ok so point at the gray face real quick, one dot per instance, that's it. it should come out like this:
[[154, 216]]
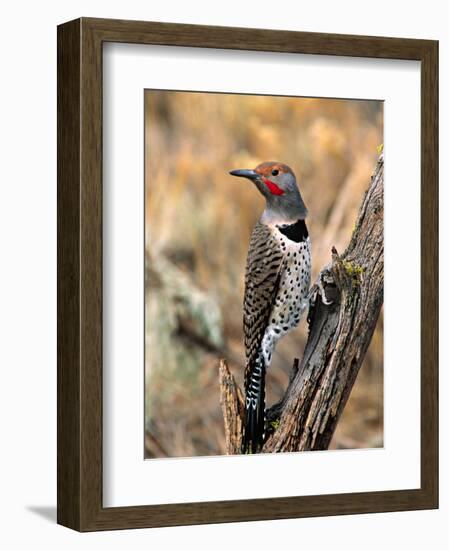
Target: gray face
[[277, 183], [284, 180]]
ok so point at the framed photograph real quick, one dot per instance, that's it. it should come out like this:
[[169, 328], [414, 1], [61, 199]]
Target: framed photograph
[[247, 274]]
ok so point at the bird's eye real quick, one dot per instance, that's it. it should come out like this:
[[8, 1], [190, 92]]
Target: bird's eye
[[274, 172]]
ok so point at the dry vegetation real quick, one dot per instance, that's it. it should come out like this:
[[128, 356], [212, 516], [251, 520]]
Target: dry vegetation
[[198, 223]]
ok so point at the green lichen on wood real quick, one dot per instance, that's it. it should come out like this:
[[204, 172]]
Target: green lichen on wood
[[354, 270], [274, 424]]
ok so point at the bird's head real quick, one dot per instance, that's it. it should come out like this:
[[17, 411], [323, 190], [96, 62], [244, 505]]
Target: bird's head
[[277, 183]]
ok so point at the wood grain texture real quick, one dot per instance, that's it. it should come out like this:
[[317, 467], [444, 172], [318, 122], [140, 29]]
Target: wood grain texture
[[339, 334], [429, 272], [80, 353], [240, 38], [91, 290], [233, 409], [68, 171]]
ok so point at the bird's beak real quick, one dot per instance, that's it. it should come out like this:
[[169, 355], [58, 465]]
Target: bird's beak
[[250, 174]]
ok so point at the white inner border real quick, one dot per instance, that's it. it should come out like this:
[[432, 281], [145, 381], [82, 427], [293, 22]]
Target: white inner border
[[128, 478]]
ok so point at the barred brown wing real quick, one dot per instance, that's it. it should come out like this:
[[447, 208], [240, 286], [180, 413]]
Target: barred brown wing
[[263, 273]]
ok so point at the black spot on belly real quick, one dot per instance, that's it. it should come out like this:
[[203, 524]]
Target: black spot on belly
[[296, 232]]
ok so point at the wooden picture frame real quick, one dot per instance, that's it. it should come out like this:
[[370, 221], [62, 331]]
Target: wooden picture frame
[[80, 503]]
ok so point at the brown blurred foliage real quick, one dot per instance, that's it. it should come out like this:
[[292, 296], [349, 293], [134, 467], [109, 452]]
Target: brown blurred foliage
[[198, 224]]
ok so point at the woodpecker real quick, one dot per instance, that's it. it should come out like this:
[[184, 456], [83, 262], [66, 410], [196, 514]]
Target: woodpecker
[[277, 281]]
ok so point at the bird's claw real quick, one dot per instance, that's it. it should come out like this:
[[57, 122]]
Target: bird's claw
[[318, 287]]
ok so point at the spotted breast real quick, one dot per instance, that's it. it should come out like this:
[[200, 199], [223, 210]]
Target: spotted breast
[[276, 286]]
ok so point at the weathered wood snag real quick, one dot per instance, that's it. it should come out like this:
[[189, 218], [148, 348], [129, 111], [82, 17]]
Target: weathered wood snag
[[339, 335]]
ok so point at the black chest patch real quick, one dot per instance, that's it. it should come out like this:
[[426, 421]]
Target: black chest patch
[[296, 232]]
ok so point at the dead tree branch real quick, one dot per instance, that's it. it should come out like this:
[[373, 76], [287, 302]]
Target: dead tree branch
[[232, 407], [339, 335]]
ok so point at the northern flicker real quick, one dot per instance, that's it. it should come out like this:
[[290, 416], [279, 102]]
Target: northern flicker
[[277, 282]]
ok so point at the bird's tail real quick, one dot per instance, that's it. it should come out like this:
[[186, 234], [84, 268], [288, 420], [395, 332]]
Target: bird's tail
[[254, 425]]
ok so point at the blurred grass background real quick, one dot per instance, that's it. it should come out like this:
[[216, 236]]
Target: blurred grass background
[[198, 224]]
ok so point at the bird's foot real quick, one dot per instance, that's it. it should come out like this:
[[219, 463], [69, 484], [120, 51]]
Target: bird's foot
[[318, 288], [324, 299]]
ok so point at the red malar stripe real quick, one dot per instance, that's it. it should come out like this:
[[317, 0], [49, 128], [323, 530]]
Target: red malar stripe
[[274, 189]]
